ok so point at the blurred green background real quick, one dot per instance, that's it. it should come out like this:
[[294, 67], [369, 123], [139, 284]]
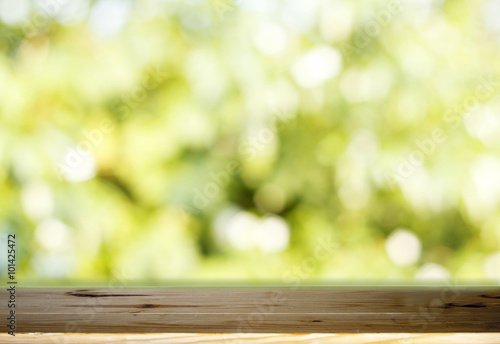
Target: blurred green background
[[251, 140]]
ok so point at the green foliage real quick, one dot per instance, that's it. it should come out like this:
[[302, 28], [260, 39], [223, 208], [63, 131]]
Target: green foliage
[[153, 151]]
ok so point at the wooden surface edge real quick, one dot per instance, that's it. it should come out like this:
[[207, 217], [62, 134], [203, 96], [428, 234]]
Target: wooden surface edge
[[235, 338], [257, 310]]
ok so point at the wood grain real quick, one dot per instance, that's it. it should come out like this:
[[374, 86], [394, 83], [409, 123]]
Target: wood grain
[[263, 338], [258, 310]]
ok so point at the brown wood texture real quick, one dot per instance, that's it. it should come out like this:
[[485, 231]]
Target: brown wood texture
[[258, 310], [263, 338]]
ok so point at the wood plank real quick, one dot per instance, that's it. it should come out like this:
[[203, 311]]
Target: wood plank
[[258, 310], [263, 338]]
